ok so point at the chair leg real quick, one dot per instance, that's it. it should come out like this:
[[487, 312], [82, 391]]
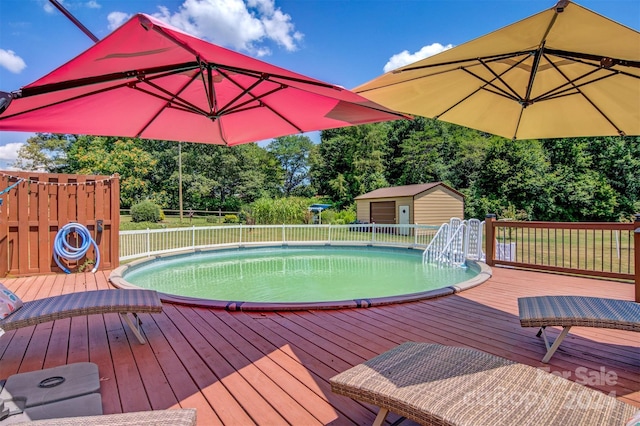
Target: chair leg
[[134, 327], [552, 348], [382, 414]]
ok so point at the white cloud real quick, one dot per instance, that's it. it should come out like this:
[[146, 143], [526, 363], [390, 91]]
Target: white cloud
[[11, 61], [9, 152], [239, 24], [116, 19], [405, 58], [93, 4], [49, 8]]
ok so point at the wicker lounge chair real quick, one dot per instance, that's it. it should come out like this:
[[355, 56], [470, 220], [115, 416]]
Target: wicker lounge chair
[[180, 417], [568, 311], [443, 385], [124, 302]]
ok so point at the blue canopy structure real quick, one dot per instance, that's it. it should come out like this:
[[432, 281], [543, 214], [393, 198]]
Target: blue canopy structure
[[317, 209]]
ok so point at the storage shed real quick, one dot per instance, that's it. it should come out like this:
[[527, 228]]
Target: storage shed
[[426, 204]]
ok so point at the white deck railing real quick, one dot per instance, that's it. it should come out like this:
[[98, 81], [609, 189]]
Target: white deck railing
[[150, 242]]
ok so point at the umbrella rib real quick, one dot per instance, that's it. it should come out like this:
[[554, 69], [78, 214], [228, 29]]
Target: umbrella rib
[[265, 77], [457, 103], [239, 106], [569, 86], [571, 82], [491, 58], [105, 78], [490, 83], [62, 101], [149, 25], [499, 77], [172, 97], [271, 76], [598, 58], [244, 91], [500, 92], [488, 58]]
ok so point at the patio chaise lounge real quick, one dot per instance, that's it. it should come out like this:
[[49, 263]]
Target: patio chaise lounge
[[443, 385], [124, 302], [568, 311], [177, 417]]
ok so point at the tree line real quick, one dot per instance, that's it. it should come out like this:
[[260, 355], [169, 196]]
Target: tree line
[[573, 179]]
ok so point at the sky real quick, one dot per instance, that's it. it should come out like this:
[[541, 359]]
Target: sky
[[344, 42]]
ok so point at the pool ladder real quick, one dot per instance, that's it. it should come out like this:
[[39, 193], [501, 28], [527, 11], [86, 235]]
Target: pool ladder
[[455, 242]]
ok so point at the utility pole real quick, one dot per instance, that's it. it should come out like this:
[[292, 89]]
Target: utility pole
[[180, 177]]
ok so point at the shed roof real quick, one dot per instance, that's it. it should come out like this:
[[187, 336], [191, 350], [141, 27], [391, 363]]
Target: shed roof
[[404, 191]]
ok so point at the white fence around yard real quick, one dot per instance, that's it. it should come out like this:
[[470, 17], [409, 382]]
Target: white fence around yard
[[136, 244]]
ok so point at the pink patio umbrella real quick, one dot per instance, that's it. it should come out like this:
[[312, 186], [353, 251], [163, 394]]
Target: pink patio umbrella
[[153, 81]]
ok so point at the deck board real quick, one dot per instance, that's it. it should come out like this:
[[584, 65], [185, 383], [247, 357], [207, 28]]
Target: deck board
[[274, 368]]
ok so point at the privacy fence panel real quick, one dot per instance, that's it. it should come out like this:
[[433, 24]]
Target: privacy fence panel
[[39, 204]]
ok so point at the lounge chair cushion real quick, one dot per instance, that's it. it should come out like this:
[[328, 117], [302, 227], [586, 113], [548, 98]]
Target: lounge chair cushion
[[41, 387], [84, 405], [9, 302]]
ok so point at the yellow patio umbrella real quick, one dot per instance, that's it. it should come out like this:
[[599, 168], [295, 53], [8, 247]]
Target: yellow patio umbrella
[[564, 72]]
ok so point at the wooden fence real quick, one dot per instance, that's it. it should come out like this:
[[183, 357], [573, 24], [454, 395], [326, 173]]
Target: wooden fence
[[40, 204], [599, 249]]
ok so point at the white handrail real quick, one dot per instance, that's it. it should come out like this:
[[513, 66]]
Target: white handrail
[[456, 242]]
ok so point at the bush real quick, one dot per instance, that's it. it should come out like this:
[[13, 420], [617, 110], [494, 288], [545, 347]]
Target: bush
[[231, 218], [345, 216], [146, 211], [290, 210]]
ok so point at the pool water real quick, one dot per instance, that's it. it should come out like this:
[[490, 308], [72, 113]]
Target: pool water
[[296, 274]]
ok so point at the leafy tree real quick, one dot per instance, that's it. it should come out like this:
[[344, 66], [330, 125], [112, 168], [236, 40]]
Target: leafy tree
[[220, 177], [440, 151], [358, 154], [581, 192], [44, 152], [369, 158], [106, 156], [618, 160], [293, 153], [514, 173]]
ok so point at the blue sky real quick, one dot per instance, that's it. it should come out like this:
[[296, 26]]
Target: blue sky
[[344, 42]]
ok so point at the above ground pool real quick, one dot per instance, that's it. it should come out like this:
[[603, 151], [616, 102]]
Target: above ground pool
[[297, 277]]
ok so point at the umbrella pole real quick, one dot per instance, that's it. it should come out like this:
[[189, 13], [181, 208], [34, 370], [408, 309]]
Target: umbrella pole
[[73, 19]]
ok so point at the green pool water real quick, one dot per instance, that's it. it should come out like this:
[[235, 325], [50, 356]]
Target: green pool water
[[296, 274]]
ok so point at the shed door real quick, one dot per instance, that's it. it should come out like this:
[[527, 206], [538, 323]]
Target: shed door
[[383, 212], [403, 219]]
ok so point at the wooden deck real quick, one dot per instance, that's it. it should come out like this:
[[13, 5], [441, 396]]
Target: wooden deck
[[273, 368]]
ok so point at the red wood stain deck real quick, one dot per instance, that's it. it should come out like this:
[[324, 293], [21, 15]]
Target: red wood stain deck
[[274, 367]]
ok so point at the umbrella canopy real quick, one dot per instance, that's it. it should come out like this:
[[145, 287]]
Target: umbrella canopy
[[150, 80], [564, 72]]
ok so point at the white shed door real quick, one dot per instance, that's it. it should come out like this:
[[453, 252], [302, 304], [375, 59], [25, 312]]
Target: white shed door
[[403, 219]]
